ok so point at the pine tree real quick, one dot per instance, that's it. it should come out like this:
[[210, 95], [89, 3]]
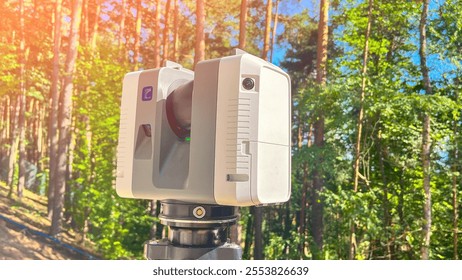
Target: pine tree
[[426, 140], [65, 118]]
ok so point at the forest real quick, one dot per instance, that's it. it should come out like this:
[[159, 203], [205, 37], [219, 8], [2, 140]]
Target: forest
[[376, 118]]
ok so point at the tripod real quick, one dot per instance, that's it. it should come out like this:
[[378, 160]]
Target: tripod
[[195, 232]]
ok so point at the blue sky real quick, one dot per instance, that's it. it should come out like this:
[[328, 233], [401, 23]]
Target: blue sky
[[292, 7], [438, 66]]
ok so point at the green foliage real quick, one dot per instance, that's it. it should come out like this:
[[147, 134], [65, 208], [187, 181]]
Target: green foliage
[[280, 248], [8, 68], [387, 208], [118, 226]]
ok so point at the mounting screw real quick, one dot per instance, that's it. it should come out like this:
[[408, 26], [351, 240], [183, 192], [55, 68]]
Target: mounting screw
[[199, 212]]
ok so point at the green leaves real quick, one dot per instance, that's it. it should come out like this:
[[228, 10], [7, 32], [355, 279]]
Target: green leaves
[[387, 211]]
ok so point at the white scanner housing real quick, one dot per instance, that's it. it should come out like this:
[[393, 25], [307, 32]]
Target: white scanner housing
[[238, 152]]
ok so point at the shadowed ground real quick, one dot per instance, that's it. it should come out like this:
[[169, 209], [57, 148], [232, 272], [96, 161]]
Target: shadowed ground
[[19, 243]]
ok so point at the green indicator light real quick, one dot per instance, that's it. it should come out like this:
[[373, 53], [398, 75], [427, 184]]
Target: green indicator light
[[187, 139]]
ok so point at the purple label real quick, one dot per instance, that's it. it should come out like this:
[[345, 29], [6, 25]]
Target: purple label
[[146, 94]]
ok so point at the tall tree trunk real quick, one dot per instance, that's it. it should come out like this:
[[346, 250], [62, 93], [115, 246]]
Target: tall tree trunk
[[426, 141], [54, 96], [22, 103], [307, 184], [359, 129], [157, 35], [6, 131], [175, 30], [65, 117], [94, 29], [287, 224], [455, 204], [386, 202], [69, 171], [275, 27], [5, 127], [14, 140], [258, 233], [266, 38], [426, 228], [165, 37], [361, 99], [303, 206], [34, 125], [248, 235], [199, 50], [121, 35], [242, 24], [136, 55], [84, 27], [39, 141], [316, 220]]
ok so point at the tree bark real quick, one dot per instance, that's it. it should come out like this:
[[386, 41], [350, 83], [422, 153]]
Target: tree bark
[[199, 51], [426, 228], [94, 29], [121, 35], [40, 138], [307, 184], [426, 141], [242, 24], [303, 206], [13, 152], [258, 233], [455, 204], [157, 35], [386, 202], [84, 27], [34, 123], [318, 126], [287, 224], [22, 103], [359, 129], [175, 31], [65, 117], [275, 27], [54, 96], [165, 37], [266, 38], [423, 48], [248, 235], [136, 55], [362, 98], [5, 127]]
